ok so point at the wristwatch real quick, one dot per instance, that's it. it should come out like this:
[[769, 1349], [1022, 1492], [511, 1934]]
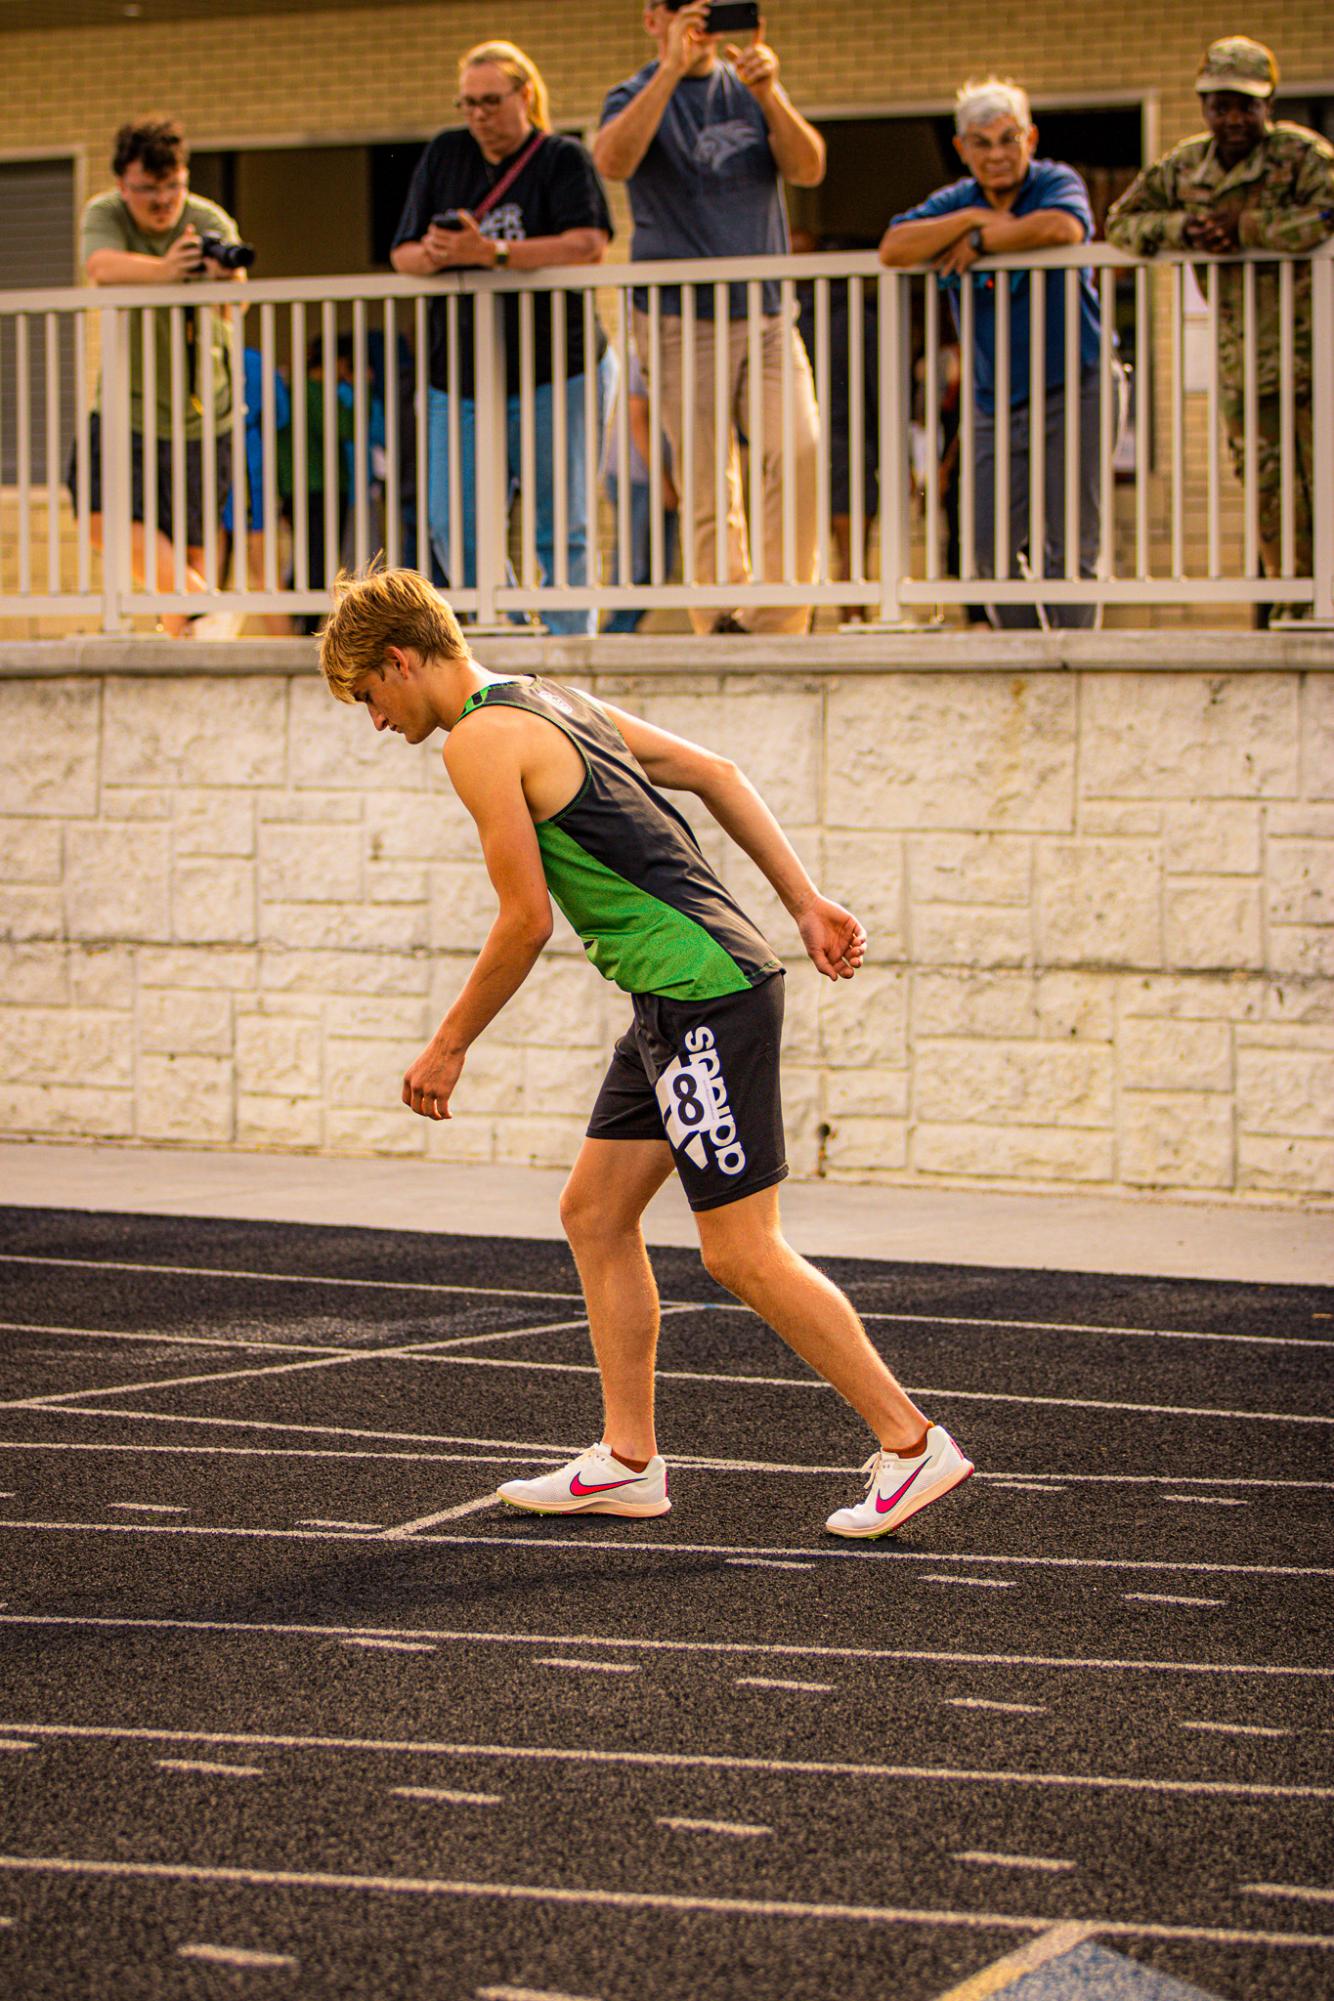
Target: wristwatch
[[502, 256], [975, 243]]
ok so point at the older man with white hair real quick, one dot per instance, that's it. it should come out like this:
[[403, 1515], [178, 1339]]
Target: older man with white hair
[[1007, 202]]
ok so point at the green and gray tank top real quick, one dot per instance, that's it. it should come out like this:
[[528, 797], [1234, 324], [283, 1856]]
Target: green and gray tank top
[[626, 870]]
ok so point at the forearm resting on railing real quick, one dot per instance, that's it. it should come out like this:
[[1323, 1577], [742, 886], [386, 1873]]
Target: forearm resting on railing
[[1043, 229], [918, 242]]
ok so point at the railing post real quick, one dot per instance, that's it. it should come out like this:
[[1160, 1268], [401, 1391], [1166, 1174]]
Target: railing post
[[115, 452], [1322, 424], [895, 402], [491, 517]]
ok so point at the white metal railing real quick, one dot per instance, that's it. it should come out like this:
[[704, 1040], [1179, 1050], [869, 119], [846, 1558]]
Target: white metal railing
[[52, 342]]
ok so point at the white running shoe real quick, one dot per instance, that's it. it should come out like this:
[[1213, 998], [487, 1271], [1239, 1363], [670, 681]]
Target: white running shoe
[[593, 1484], [896, 1488]]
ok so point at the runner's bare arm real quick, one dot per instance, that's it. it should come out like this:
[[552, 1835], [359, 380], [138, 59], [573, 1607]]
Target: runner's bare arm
[[485, 768], [832, 936]]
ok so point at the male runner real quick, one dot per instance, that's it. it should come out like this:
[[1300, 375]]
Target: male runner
[[564, 791]]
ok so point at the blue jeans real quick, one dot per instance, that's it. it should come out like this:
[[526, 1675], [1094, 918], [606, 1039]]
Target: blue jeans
[[641, 548], [576, 459]]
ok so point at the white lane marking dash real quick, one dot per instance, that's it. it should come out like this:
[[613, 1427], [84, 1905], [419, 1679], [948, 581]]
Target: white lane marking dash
[[446, 1795], [1027, 1487], [765, 1681], [147, 1508], [207, 1766], [682, 1824], [406, 1529], [5, 1923], [1013, 1861], [1236, 1729], [528, 1994], [979, 1583], [764, 1563], [984, 1702], [327, 1522], [394, 1646], [1205, 1500], [1166, 1598], [1313, 1893], [15, 1744], [591, 1667], [234, 1955]]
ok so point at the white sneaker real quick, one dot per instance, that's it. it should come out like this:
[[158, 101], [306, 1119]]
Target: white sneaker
[[897, 1488], [593, 1484]]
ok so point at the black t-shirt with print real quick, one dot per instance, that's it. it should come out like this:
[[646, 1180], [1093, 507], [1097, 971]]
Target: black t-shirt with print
[[558, 189]]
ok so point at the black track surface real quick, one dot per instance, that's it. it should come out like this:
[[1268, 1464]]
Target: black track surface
[[1017, 1674]]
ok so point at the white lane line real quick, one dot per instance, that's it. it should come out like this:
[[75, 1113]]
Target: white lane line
[[329, 1522], [592, 1545], [977, 1583], [765, 1681], [1311, 1893], [405, 1529], [343, 1358], [528, 1994], [1009, 1708], [207, 1767], [148, 1508], [769, 1649], [1206, 1500], [1027, 1487], [684, 1305], [681, 1824], [526, 1446], [234, 1955], [691, 1761], [650, 1900], [393, 1646], [982, 1855], [446, 1796], [1235, 1729], [764, 1563], [15, 1744], [590, 1667], [169, 1340], [1166, 1598], [1003, 1973]]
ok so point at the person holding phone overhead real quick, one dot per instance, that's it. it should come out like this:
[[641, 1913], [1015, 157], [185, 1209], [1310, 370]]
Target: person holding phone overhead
[[704, 136], [507, 193]]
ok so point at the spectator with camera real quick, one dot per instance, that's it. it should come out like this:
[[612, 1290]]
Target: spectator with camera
[[704, 138], [150, 230], [507, 193]]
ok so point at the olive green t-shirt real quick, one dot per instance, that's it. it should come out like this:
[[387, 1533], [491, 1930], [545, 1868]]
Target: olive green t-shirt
[[108, 225]]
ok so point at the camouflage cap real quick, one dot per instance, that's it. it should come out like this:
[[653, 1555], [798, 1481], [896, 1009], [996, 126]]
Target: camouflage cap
[[1238, 63]]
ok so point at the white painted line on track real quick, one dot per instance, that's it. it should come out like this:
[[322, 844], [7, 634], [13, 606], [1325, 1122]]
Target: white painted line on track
[[1235, 1729], [528, 1994], [405, 1529], [1003, 1973], [591, 1667], [15, 1744], [1009, 1708], [545, 1451], [1206, 1500], [148, 1507], [983, 1856], [207, 1767], [625, 1900], [591, 1545], [287, 1277], [1165, 1598], [802, 1687], [776, 1649], [235, 1955], [170, 1340], [695, 1761], [682, 1824], [327, 1522], [977, 1583], [1312, 1893], [1088, 1327], [446, 1796], [1027, 1487], [394, 1646], [765, 1563]]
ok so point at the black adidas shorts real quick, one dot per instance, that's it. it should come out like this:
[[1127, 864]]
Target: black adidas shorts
[[703, 1075]]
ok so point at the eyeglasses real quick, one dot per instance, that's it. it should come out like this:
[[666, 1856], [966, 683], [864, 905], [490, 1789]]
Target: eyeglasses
[[159, 190], [491, 102]]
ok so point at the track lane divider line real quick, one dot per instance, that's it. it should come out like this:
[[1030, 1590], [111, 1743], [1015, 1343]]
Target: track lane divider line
[[1002, 1973], [403, 1531]]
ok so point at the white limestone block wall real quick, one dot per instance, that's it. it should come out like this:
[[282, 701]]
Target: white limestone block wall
[[1099, 905]]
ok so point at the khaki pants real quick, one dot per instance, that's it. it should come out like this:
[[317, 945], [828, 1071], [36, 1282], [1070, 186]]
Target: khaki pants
[[805, 448], [1269, 473]]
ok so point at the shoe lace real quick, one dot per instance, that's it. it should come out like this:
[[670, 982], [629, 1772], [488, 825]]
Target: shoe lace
[[872, 1469]]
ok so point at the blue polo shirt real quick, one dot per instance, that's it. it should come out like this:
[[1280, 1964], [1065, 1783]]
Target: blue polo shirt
[[1047, 184]]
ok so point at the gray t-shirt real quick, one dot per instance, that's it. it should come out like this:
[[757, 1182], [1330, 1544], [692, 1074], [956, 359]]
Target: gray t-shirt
[[708, 185]]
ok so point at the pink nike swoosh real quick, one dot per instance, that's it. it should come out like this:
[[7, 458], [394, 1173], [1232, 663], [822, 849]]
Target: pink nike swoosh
[[577, 1486], [883, 1507]]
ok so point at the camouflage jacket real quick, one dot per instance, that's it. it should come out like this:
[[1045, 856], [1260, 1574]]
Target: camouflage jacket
[[1282, 195]]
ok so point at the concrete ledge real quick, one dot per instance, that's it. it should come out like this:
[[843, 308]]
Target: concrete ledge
[[922, 652]]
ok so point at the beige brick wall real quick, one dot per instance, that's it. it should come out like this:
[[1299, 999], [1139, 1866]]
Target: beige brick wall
[[1102, 943]]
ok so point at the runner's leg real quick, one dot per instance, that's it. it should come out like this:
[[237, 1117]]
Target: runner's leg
[[745, 1250], [611, 1184]]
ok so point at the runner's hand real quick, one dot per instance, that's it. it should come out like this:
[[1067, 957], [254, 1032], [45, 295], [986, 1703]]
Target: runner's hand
[[835, 942], [429, 1082]]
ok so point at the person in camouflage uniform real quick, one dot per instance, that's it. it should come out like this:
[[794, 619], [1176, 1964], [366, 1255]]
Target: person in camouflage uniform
[[1249, 183]]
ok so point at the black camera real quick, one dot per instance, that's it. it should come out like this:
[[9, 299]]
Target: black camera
[[231, 256], [732, 17]]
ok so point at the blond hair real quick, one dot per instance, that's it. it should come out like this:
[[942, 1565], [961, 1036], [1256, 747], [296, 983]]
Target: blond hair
[[520, 69], [373, 612]]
